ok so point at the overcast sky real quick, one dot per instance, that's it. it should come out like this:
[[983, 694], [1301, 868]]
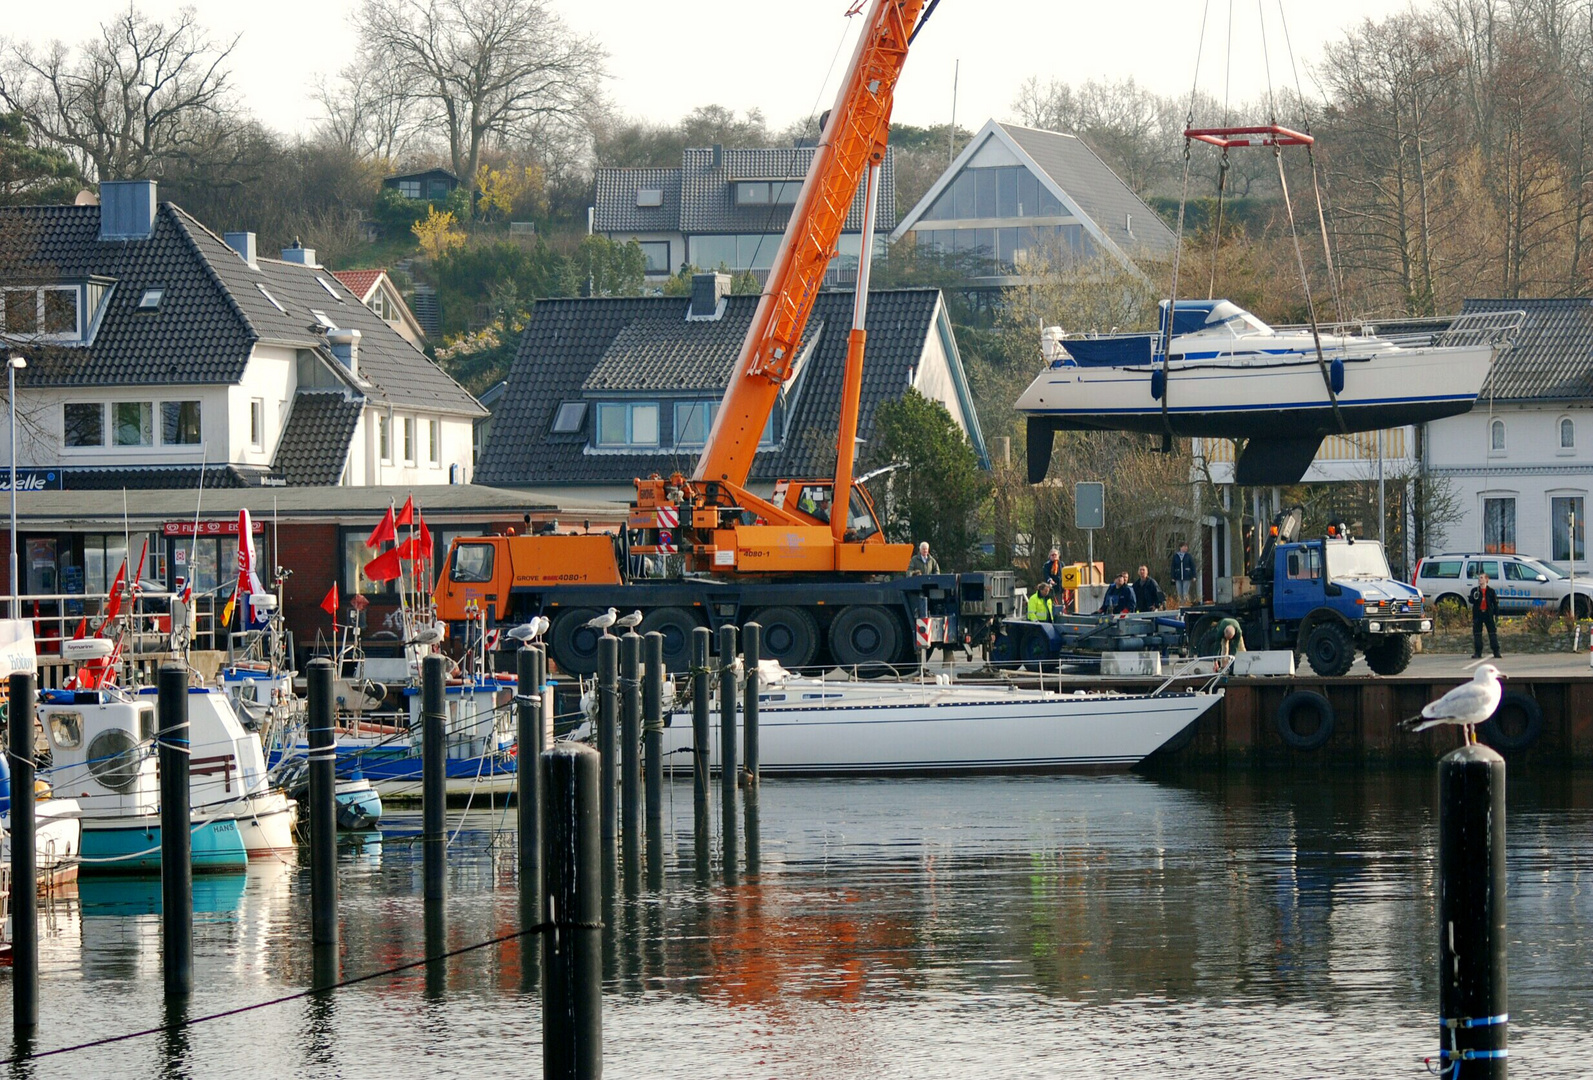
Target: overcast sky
[[666, 56]]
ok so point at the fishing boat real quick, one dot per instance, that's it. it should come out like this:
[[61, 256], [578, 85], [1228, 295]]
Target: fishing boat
[[1223, 373], [58, 832], [809, 726]]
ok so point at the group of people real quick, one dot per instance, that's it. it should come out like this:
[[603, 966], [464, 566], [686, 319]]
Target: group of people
[[1123, 596]]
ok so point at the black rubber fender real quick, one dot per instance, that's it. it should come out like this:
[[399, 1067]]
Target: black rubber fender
[[1497, 737], [1292, 704]]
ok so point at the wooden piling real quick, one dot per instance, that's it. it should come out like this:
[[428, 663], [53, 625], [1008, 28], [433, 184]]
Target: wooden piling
[[434, 777], [572, 999], [653, 753], [176, 842], [321, 721], [701, 741], [751, 651], [608, 740], [531, 674], [630, 752], [728, 692], [24, 863]]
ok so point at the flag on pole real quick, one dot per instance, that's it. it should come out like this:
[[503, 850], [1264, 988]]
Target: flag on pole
[[385, 567], [113, 605], [383, 532], [406, 516], [329, 603], [412, 550]]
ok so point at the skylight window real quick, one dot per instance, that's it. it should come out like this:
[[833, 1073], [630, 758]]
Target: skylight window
[[327, 285], [274, 301], [320, 317], [150, 301], [570, 416]]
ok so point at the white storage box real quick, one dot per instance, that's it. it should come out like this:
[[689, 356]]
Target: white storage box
[[1270, 662], [1131, 663]]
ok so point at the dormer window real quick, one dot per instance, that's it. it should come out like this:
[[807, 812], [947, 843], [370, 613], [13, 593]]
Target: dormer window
[[767, 192], [150, 300], [43, 313]]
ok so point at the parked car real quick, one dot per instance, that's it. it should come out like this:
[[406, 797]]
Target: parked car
[[1522, 583]]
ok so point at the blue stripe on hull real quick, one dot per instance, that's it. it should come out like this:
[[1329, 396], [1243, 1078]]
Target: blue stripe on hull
[[409, 769], [135, 849]]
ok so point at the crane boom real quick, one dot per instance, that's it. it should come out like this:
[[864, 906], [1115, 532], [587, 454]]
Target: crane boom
[[853, 139]]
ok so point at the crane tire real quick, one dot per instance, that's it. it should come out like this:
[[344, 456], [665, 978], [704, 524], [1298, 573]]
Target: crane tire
[[1513, 740], [865, 635], [574, 644], [1299, 702], [790, 635], [676, 626]]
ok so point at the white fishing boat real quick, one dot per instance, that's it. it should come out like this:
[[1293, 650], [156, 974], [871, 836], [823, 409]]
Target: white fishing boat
[[823, 727], [58, 843], [1227, 374]]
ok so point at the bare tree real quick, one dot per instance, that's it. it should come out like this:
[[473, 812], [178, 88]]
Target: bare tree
[[126, 99], [485, 70], [367, 110]]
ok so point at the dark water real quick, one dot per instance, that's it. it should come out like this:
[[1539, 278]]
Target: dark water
[[1234, 926]]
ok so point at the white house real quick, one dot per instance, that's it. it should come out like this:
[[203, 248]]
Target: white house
[[155, 348]]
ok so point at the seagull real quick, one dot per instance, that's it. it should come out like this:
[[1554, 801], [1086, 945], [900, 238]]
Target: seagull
[[526, 633], [629, 622], [1468, 704], [602, 622], [429, 635]]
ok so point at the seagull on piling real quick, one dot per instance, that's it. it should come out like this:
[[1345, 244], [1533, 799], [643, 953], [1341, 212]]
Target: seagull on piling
[[602, 622], [629, 622], [1467, 705], [526, 633]]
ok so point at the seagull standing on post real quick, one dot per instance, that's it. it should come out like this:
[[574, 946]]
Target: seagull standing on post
[[629, 622], [602, 622], [1467, 705]]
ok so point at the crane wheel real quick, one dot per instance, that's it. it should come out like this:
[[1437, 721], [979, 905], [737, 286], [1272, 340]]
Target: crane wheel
[[676, 625], [574, 643], [863, 635], [790, 635]]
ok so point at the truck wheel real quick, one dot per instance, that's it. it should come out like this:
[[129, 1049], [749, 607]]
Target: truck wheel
[[1329, 649], [1584, 606], [1296, 711], [789, 635], [1391, 655], [865, 635], [574, 643], [676, 625], [1203, 640]]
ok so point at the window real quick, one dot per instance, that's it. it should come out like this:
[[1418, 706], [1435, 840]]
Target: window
[[133, 423], [1483, 566], [355, 556], [437, 187], [1519, 571], [752, 194], [1496, 437], [66, 730], [693, 421], [627, 424], [21, 311], [320, 317], [472, 563], [1499, 526], [409, 440], [656, 254], [569, 418], [1562, 510], [179, 423], [1305, 565], [384, 437], [434, 440], [49, 311], [409, 189], [1440, 568], [150, 301], [649, 196], [1567, 433], [257, 423], [84, 424], [274, 301]]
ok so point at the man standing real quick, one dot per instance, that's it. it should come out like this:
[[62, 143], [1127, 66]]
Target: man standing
[[1041, 608], [923, 562], [1119, 599], [1484, 612], [1148, 595], [1183, 573]]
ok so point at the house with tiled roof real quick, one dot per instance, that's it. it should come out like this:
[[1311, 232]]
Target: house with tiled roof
[[376, 291], [1521, 462], [725, 208], [1018, 194], [156, 348], [604, 390]]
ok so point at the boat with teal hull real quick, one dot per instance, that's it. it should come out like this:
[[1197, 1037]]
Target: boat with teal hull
[[133, 847]]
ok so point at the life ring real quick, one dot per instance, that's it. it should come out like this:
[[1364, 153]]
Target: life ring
[[1294, 703], [1500, 739]]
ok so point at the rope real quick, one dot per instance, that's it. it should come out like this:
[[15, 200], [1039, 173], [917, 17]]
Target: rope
[[539, 928], [1216, 238]]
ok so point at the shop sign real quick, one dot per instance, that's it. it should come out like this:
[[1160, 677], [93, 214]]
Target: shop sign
[[206, 528], [31, 480]]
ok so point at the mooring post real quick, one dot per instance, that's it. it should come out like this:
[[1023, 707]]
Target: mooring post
[[1472, 1009], [701, 740], [322, 718], [608, 740], [434, 777], [751, 652], [653, 753], [630, 752], [176, 843], [530, 675], [572, 986], [24, 863], [728, 692]]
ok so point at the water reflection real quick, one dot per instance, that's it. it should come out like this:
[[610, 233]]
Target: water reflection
[[1219, 925]]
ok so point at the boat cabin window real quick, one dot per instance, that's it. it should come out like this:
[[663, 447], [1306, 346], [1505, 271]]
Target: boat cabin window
[[146, 724], [1305, 564], [66, 730], [472, 563], [1246, 323]]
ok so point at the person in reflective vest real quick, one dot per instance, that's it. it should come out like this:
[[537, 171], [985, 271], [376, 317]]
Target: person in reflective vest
[[1041, 608]]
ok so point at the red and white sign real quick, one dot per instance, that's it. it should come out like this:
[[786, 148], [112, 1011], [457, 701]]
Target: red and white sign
[[668, 517], [666, 541], [207, 528], [930, 631]]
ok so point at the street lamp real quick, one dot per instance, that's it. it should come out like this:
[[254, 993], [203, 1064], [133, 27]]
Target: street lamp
[[14, 364]]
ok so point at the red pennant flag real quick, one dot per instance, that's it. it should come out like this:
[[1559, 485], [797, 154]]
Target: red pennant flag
[[329, 604], [406, 516], [425, 536], [384, 567], [113, 605], [412, 549], [383, 532]]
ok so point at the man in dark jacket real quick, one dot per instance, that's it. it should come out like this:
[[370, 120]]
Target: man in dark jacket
[[1147, 594], [1183, 574], [1484, 612], [1119, 599]]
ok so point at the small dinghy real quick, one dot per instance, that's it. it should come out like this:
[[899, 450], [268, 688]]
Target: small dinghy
[[1226, 374]]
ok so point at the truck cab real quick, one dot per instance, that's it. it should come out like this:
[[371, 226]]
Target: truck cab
[[1334, 594]]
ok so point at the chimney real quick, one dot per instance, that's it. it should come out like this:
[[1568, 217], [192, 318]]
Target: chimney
[[243, 244], [127, 209], [346, 347], [300, 254], [707, 295], [719, 155]]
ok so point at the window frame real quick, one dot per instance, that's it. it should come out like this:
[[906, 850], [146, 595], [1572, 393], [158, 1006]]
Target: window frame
[[41, 313], [384, 436], [1514, 518], [327, 285], [1577, 544], [561, 426], [681, 414], [409, 189], [663, 266], [257, 424], [1497, 447], [199, 421], [66, 427], [1563, 448], [434, 441], [409, 435], [631, 408], [265, 292], [115, 441], [149, 300]]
